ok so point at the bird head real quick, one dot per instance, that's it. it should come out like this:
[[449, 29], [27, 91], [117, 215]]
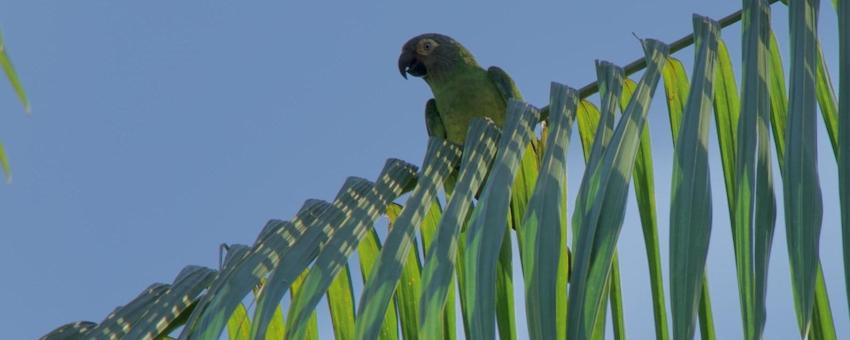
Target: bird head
[[431, 54]]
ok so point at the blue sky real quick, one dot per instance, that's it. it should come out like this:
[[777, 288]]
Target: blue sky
[[162, 129]]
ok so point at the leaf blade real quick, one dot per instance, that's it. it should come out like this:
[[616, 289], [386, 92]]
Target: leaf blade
[[690, 203], [544, 225], [12, 75], [803, 202], [595, 247], [441, 261]]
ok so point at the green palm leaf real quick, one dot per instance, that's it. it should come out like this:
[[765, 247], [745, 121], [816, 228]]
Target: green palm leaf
[[369, 250], [485, 234], [544, 228], [598, 232], [803, 205], [440, 159], [690, 211], [244, 269], [356, 209], [521, 185], [844, 136], [439, 268], [6, 64]]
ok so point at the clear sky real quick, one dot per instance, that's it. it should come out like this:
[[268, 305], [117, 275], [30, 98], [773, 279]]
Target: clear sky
[[161, 129]]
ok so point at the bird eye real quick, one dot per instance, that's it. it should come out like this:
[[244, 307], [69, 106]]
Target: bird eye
[[427, 46]]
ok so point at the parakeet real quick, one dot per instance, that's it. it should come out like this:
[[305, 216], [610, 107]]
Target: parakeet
[[462, 89]]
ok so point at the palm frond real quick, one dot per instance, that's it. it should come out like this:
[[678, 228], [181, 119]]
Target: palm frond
[[512, 184]]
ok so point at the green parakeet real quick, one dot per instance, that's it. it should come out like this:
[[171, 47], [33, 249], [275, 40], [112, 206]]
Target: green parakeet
[[462, 89]]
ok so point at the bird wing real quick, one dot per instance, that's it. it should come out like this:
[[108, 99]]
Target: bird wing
[[433, 122], [506, 86]]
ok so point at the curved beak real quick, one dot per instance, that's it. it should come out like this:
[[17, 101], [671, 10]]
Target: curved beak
[[408, 63], [404, 62]]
